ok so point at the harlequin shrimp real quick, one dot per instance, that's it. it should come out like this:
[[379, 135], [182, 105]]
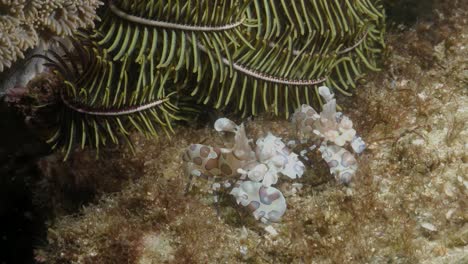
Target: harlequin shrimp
[[252, 172], [334, 130], [208, 162]]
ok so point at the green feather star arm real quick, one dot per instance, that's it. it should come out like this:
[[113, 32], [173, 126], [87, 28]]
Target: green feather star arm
[[148, 61], [102, 103], [289, 60], [170, 32]]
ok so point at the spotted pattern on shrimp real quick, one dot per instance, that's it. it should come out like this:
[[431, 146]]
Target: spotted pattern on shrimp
[[342, 163], [266, 203], [304, 118], [201, 160]]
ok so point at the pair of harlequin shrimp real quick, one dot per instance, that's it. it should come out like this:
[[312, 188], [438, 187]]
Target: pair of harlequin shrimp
[[256, 171]]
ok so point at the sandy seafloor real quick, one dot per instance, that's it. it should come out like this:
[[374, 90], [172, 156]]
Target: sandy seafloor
[[408, 202]]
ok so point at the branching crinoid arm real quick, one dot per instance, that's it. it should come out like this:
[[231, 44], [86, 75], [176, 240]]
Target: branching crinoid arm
[[141, 54], [299, 46], [274, 64], [104, 101], [247, 56], [364, 53], [166, 33], [170, 36]]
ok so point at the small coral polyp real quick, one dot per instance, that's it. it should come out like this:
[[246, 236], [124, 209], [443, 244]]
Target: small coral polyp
[[254, 171]]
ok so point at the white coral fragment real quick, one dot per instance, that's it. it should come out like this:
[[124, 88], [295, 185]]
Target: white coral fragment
[[271, 230], [266, 203]]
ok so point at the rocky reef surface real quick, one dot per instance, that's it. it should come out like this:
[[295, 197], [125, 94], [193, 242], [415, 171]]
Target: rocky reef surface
[[407, 203]]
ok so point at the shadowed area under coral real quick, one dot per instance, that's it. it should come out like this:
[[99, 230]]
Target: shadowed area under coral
[[23, 224]]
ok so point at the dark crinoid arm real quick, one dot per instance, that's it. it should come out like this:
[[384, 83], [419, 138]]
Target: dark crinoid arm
[[103, 101]]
